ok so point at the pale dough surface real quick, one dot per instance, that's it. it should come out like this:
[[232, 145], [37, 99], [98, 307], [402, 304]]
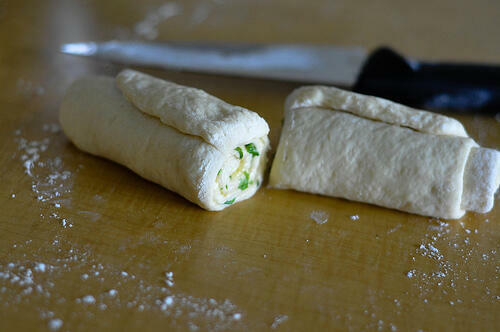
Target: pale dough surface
[[98, 119], [374, 108], [192, 111], [368, 161], [368, 149]]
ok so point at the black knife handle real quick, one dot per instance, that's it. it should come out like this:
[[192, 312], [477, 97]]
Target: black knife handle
[[438, 86]]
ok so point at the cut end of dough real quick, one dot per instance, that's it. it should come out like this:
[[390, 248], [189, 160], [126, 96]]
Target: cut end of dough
[[481, 180], [241, 175]]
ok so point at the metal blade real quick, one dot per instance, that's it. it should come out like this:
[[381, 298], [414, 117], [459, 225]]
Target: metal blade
[[290, 62]]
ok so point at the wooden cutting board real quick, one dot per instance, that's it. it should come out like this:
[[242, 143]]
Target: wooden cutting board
[[86, 244]]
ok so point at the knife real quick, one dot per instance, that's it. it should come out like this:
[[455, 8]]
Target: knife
[[383, 73]]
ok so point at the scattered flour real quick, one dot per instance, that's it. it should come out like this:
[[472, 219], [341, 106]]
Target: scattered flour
[[395, 228], [92, 216], [219, 315], [319, 216], [447, 249], [88, 299], [55, 324], [29, 277], [200, 12], [27, 280], [51, 183], [28, 89], [278, 320], [40, 267], [169, 279], [411, 273], [148, 27]]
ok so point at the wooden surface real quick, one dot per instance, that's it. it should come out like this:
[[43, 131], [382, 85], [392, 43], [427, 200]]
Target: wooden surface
[[87, 245]]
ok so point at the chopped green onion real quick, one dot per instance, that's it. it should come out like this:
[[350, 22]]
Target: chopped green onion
[[218, 173], [244, 182], [226, 186], [240, 152], [230, 202], [250, 147]]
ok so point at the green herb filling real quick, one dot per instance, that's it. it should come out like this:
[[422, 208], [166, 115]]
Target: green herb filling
[[230, 202], [240, 152], [244, 182], [250, 147]]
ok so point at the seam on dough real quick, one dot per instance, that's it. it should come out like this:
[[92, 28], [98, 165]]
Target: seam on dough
[[179, 131], [222, 104], [307, 97], [164, 124], [367, 118], [157, 118]]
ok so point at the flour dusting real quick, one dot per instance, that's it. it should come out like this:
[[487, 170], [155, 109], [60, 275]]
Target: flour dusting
[[395, 228], [220, 315], [23, 281], [148, 27], [50, 180], [319, 216], [55, 324], [76, 267], [442, 242], [169, 279], [63, 272], [28, 89], [278, 320]]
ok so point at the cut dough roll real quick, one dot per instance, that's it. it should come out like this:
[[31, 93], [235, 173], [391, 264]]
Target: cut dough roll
[[208, 151], [368, 149]]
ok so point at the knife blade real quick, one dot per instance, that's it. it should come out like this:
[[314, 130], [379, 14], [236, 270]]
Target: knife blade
[[383, 73], [302, 63]]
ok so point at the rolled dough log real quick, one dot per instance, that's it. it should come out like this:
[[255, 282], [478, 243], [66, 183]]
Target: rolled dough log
[[208, 151], [368, 149]]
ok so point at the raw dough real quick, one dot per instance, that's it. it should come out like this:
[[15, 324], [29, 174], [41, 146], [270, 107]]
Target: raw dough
[[374, 108], [192, 111], [368, 149], [210, 152]]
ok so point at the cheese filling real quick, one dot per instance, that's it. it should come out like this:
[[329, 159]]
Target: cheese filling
[[242, 172]]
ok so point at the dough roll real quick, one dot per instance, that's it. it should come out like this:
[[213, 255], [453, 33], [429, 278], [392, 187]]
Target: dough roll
[[368, 149], [208, 151]]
